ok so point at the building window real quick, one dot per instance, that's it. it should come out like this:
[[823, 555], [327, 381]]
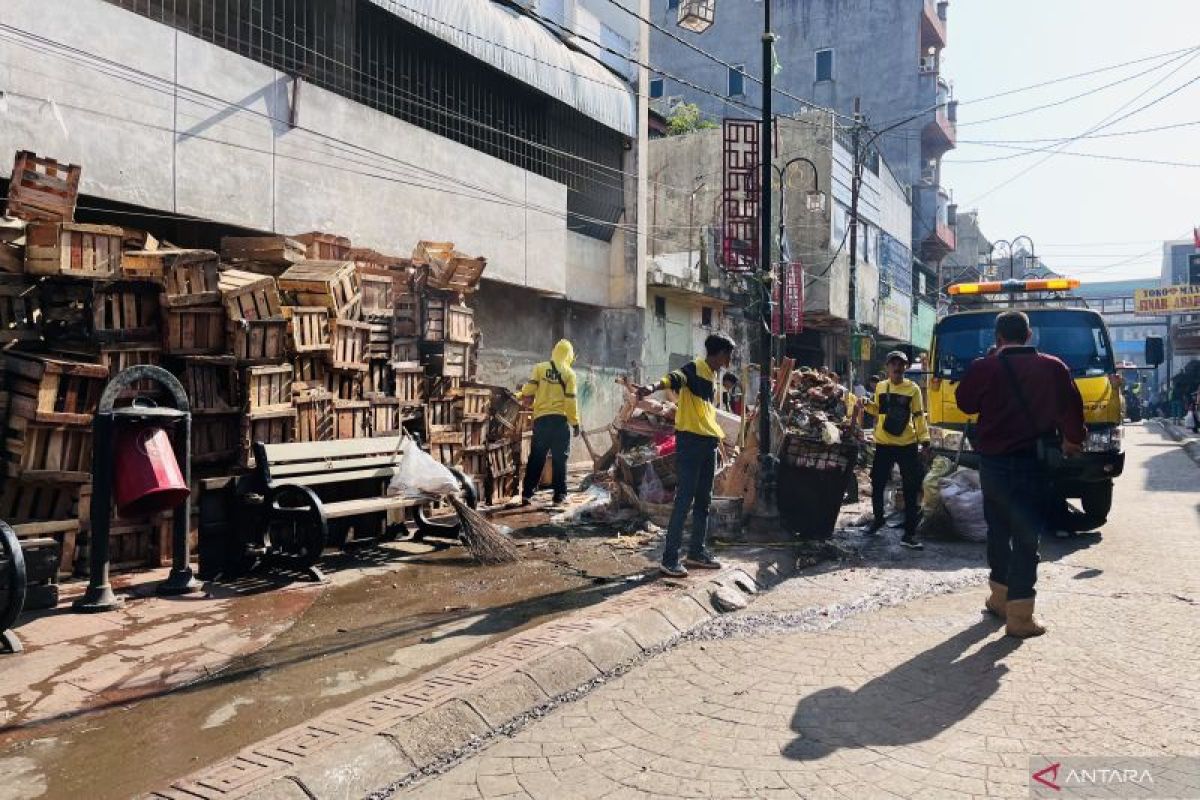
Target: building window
[[706, 317], [825, 65], [660, 307], [656, 87], [737, 80], [672, 5]]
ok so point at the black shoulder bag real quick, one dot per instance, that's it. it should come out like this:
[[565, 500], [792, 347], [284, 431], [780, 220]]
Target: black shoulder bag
[[1049, 445]]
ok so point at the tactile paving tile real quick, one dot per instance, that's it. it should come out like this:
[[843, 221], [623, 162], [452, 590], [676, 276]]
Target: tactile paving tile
[[282, 753]]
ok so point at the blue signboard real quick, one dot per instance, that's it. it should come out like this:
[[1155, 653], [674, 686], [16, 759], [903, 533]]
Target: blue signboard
[[895, 263]]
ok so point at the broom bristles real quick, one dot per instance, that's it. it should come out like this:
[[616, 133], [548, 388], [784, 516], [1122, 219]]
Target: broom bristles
[[486, 543]]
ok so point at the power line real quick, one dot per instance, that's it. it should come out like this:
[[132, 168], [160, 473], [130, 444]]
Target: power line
[[1112, 135], [1026, 151]]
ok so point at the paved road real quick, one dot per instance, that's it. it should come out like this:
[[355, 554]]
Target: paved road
[[886, 681]]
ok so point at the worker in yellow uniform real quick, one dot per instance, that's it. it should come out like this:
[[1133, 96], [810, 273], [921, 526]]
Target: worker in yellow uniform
[[697, 436], [901, 436], [555, 414]]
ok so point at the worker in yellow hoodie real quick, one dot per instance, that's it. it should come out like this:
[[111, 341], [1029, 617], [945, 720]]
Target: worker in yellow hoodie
[[555, 414], [901, 433]]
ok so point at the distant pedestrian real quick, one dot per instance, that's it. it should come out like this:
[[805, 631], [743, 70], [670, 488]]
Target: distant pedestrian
[[697, 437], [731, 399], [555, 414], [1027, 404], [1196, 412], [901, 433]]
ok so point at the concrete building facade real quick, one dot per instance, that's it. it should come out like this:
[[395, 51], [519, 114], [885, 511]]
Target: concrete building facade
[[387, 123], [883, 55]]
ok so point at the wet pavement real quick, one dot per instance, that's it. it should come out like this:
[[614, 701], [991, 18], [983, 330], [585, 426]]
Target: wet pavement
[[388, 612]]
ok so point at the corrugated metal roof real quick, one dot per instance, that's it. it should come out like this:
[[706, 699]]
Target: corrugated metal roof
[[521, 47]]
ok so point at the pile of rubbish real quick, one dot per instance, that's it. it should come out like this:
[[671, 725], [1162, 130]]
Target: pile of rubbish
[[816, 407]]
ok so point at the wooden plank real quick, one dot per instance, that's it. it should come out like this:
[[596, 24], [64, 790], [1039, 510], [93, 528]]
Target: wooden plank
[[304, 451], [367, 505]]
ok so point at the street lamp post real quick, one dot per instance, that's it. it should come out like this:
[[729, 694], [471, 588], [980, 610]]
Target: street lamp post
[[814, 202]]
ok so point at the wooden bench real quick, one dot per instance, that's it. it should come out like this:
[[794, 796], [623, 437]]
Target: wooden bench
[[311, 494]]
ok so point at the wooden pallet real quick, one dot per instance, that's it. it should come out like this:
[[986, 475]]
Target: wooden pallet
[[350, 418], [249, 296], [349, 340], [410, 384], [18, 309], [259, 341], [211, 384], [194, 330], [384, 418], [49, 453], [310, 328], [53, 390], [268, 427], [314, 420], [72, 250], [324, 246], [126, 312], [190, 277], [42, 188], [331, 284], [216, 437], [268, 388], [282, 251]]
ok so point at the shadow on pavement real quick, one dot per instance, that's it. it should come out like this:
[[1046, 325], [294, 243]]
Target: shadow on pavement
[[913, 702]]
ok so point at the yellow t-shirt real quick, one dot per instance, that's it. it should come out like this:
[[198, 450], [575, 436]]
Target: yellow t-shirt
[[694, 382], [904, 407]]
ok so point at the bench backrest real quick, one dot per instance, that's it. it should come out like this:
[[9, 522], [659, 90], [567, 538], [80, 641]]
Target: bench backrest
[[316, 463]]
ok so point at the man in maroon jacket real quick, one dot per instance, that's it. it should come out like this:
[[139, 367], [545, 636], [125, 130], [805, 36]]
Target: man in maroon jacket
[[1021, 396]]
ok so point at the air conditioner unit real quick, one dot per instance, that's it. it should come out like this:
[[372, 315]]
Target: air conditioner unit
[[928, 65]]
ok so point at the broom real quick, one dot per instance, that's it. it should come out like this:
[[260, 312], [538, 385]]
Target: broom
[[487, 544]]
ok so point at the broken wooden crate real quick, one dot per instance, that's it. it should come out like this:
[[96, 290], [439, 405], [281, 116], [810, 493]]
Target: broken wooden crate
[[379, 379], [49, 453], [46, 389], [312, 372], [345, 384], [73, 250], [249, 296], [66, 309], [447, 359], [331, 284], [42, 188]]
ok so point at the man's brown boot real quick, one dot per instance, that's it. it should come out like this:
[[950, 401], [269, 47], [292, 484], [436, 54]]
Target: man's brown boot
[[996, 601], [1021, 622]]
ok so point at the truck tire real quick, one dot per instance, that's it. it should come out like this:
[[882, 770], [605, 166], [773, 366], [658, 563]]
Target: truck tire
[[1096, 500]]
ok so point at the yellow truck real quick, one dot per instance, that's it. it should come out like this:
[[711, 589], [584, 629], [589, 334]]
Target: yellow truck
[[1076, 335]]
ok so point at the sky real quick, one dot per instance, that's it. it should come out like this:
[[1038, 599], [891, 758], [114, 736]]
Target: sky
[[1089, 218]]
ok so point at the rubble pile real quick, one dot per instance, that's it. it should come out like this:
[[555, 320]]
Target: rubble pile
[[815, 407]]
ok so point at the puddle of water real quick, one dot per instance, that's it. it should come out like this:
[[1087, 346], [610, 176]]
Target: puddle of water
[[223, 714]]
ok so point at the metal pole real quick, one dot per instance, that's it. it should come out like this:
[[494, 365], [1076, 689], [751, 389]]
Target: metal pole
[[855, 181], [99, 595], [764, 383]]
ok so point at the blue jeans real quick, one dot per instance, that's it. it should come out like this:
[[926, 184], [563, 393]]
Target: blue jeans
[[695, 467], [1016, 505]]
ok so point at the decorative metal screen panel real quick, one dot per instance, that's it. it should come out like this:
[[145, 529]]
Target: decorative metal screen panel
[[740, 194]]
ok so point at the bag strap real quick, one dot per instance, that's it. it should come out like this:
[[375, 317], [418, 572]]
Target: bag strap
[[1016, 387]]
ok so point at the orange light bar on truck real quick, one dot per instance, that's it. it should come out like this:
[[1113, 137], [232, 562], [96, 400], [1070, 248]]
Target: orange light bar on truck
[[1015, 286]]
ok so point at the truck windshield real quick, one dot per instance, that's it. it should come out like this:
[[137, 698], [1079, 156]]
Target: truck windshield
[[1078, 338]]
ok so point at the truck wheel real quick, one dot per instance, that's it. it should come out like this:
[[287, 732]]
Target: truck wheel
[[1096, 499]]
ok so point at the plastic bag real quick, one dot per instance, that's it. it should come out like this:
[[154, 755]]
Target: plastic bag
[[964, 500], [940, 468], [420, 475], [651, 489]]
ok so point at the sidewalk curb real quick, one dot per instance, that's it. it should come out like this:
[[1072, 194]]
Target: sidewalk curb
[[1176, 433], [416, 728]]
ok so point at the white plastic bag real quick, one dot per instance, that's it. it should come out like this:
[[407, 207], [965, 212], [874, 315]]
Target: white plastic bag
[[419, 475], [652, 490], [964, 500]]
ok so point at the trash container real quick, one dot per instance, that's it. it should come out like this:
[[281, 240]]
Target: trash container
[[811, 483]]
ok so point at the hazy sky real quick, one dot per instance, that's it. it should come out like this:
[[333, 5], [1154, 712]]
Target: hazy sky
[[1097, 219]]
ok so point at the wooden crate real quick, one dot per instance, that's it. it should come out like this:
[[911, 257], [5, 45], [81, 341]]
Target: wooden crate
[[449, 269], [384, 417], [447, 359], [446, 320], [437, 386], [268, 427], [312, 374], [503, 458], [12, 258], [18, 309], [132, 544], [61, 535], [477, 403], [442, 415], [505, 488], [475, 434], [349, 340], [66, 308], [406, 316], [406, 350], [249, 296], [211, 384], [268, 388], [379, 340], [27, 501], [506, 415], [378, 285], [259, 341], [126, 312], [331, 284], [53, 390], [72, 250], [120, 357], [345, 385], [350, 418], [194, 330], [426, 252], [216, 437], [190, 277], [379, 379], [42, 188], [49, 453], [310, 328], [410, 384], [475, 464], [280, 251], [314, 416], [448, 454], [324, 246]]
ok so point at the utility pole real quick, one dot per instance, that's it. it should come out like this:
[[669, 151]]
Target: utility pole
[[855, 184], [766, 459]]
